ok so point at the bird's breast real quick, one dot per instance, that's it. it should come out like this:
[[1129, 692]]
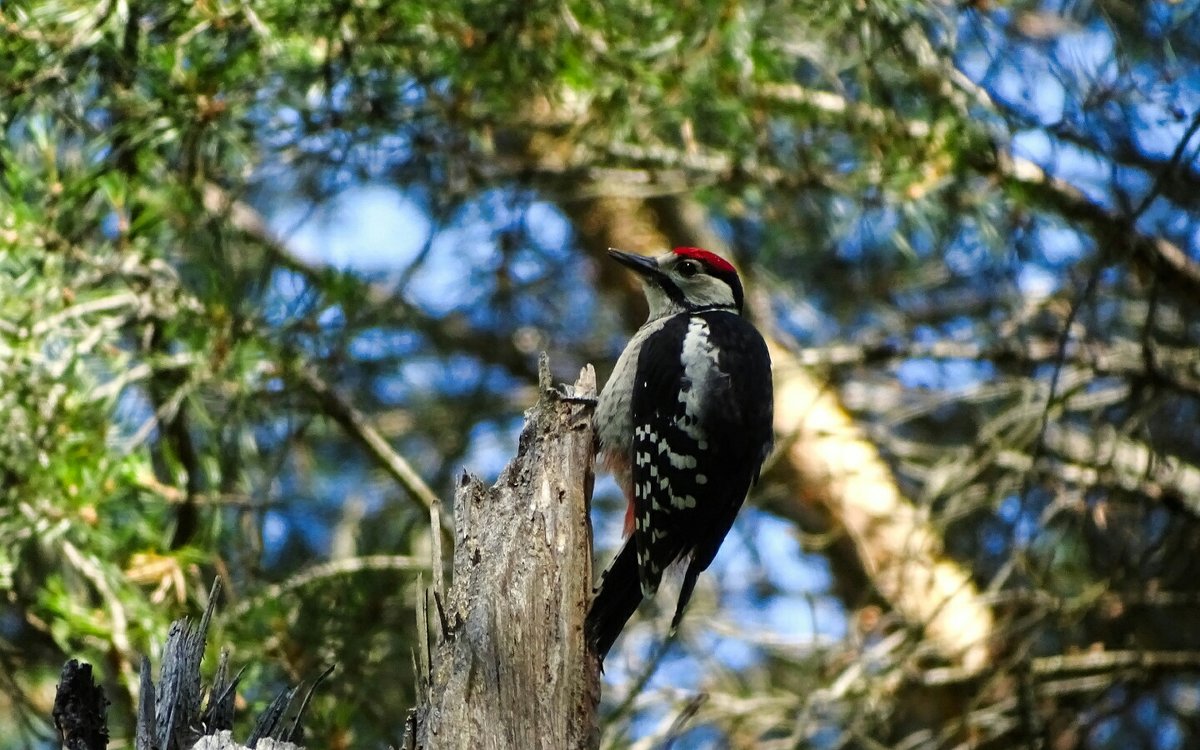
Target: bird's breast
[[614, 411]]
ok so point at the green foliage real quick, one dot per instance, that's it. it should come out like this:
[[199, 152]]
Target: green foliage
[[156, 329]]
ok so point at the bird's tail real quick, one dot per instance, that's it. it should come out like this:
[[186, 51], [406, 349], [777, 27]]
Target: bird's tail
[[618, 598]]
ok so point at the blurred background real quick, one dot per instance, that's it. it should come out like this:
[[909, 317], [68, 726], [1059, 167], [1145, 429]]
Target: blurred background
[[238, 238]]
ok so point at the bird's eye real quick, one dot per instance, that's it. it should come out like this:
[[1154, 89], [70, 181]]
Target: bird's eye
[[688, 268]]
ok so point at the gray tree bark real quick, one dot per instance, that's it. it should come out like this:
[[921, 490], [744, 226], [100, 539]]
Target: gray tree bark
[[508, 666]]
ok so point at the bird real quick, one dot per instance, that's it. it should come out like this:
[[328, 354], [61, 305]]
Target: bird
[[684, 425]]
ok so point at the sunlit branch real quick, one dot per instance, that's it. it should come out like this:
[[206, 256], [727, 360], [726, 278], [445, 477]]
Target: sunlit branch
[[1106, 662]]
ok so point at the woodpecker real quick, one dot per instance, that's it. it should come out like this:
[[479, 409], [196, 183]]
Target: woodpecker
[[683, 424]]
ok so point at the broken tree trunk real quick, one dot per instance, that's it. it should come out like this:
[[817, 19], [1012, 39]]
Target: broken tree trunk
[[508, 666], [169, 715]]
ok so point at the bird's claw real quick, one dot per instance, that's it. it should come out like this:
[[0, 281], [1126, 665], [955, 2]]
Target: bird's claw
[[566, 392]]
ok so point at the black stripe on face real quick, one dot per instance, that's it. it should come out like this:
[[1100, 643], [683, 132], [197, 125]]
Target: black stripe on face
[[677, 296], [669, 288]]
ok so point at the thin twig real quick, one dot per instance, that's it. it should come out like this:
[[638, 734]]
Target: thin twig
[[331, 569], [355, 423]]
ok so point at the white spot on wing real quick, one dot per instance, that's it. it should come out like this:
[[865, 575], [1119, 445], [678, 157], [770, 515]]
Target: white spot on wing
[[680, 461]]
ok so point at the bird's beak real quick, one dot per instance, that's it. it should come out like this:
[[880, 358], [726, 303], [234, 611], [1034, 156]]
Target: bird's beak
[[641, 264]]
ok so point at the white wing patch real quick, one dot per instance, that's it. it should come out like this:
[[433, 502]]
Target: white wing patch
[[700, 362]]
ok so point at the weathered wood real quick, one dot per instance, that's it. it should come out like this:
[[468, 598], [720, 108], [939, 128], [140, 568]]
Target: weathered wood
[[170, 717], [80, 709], [177, 703], [509, 667]]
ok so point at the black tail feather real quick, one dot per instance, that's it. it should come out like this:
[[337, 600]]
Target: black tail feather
[[685, 593], [618, 598]]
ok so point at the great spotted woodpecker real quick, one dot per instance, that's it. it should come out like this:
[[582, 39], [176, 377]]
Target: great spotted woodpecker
[[684, 424]]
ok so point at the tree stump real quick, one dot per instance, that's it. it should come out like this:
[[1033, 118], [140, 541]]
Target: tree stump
[[508, 666]]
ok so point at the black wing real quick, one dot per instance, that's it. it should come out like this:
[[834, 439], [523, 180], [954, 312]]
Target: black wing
[[701, 433]]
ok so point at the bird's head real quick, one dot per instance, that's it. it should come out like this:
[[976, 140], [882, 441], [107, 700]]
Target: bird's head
[[685, 279]]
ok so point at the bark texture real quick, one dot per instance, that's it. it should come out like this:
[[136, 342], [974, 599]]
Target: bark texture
[[508, 667]]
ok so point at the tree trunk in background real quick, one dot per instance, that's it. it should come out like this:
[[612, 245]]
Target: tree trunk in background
[[827, 461], [508, 666]]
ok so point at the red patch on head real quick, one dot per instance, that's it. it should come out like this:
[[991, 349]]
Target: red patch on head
[[712, 260]]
